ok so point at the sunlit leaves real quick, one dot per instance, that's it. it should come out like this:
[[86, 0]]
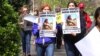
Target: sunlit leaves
[[9, 32]]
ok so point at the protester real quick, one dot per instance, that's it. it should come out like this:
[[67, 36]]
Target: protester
[[25, 30], [72, 4], [44, 45], [97, 18], [87, 17], [59, 27], [91, 41], [70, 39]]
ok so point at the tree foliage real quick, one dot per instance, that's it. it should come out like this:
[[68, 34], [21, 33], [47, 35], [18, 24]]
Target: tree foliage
[[9, 32], [18, 3], [9, 35], [90, 4]]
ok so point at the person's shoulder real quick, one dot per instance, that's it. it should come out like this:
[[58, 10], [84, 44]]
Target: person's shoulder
[[85, 13]]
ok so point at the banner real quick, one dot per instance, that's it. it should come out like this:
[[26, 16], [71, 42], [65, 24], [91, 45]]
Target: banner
[[90, 44], [47, 24], [71, 20]]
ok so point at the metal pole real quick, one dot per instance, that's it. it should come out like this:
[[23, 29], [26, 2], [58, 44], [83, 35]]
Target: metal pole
[[33, 5]]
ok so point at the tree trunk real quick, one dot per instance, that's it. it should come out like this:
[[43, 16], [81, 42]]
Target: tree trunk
[[36, 4]]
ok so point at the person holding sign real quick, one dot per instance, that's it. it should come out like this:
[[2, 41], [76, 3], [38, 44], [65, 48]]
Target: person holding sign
[[44, 45], [71, 38], [89, 45], [97, 18], [25, 30]]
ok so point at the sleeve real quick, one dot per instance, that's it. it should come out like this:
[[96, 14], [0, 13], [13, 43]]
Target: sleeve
[[21, 21], [83, 28], [88, 21], [35, 30]]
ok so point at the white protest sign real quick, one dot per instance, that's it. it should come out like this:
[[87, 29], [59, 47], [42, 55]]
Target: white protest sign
[[71, 20], [48, 24], [30, 18], [90, 44]]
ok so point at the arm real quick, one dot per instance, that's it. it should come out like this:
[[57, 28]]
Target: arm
[[35, 30], [21, 21], [83, 27], [88, 21]]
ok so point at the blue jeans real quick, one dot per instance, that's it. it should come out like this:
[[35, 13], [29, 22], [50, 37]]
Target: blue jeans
[[26, 38], [42, 49], [71, 50]]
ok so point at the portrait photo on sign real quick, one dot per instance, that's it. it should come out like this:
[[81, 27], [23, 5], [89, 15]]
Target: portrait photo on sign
[[47, 23], [70, 20]]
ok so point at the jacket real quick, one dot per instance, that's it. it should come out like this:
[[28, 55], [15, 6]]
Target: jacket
[[74, 39], [88, 20], [42, 40]]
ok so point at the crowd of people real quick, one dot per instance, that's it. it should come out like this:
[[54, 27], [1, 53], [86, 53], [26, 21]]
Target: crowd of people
[[45, 46]]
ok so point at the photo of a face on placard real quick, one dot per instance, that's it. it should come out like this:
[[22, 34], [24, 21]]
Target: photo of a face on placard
[[47, 24], [70, 20]]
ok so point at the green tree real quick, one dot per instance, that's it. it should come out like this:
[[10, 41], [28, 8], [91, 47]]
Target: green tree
[[90, 4], [9, 33], [55, 3], [18, 3]]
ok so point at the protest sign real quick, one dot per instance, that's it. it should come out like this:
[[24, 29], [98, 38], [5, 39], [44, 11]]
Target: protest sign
[[71, 20], [90, 44], [30, 18], [47, 24], [28, 21]]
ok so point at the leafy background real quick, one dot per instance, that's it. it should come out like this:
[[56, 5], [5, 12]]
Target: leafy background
[[10, 40]]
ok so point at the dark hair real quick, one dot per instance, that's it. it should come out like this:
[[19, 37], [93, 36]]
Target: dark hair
[[37, 12], [58, 8], [96, 15], [73, 3], [46, 20], [23, 6], [69, 17]]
